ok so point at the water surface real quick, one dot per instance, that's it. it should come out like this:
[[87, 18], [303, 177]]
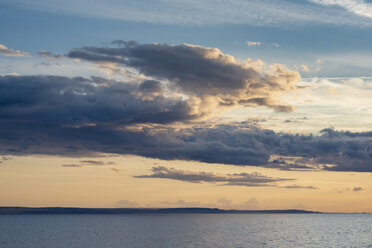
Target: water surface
[[186, 230]]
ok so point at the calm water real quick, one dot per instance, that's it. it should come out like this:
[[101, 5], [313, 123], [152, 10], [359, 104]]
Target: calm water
[[181, 231]]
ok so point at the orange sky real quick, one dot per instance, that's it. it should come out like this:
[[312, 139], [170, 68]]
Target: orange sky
[[42, 181]]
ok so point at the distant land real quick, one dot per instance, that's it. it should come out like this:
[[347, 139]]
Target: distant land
[[68, 210]]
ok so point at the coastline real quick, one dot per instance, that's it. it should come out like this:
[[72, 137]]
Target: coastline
[[73, 210]]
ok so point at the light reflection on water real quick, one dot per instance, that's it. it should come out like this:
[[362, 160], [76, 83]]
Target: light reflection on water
[[186, 231]]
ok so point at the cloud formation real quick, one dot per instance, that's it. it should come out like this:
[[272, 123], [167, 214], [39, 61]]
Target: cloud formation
[[162, 116], [358, 7], [62, 101], [12, 53], [357, 189], [89, 162], [253, 43], [294, 186], [217, 79], [193, 12], [48, 55], [239, 179], [305, 68], [58, 115]]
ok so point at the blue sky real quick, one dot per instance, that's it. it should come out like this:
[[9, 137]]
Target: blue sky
[[337, 36]]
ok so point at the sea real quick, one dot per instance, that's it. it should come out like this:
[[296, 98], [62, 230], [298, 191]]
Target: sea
[[185, 230]]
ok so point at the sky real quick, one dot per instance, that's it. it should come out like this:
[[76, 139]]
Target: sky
[[240, 104]]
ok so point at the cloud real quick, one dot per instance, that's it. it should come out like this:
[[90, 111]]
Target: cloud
[[164, 119], [96, 162], [79, 116], [251, 204], [3, 159], [12, 53], [224, 203], [238, 179], [305, 68], [58, 115], [61, 101], [358, 7], [357, 189], [193, 12], [253, 43], [92, 162], [221, 203], [127, 204], [294, 186], [116, 170], [89, 162], [291, 163], [48, 55], [261, 101], [71, 165], [216, 78], [187, 204]]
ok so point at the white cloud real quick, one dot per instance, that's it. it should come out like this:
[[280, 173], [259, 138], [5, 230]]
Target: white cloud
[[12, 53], [254, 43], [305, 68], [195, 12], [340, 102], [358, 7]]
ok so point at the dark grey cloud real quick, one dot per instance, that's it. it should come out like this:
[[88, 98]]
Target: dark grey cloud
[[60, 101], [151, 86], [357, 189], [249, 184], [92, 162], [72, 165], [89, 162], [96, 162], [294, 186], [283, 164], [296, 120], [79, 116], [241, 179], [200, 71], [264, 101]]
